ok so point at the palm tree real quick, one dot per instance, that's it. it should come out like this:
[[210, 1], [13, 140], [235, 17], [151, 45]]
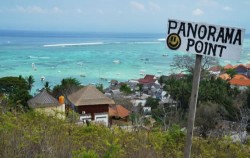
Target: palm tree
[[140, 88], [30, 80], [67, 86], [47, 86], [70, 82]]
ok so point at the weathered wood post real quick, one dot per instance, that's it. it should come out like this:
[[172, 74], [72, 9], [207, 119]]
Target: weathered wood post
[[192, 106], [203, 40]]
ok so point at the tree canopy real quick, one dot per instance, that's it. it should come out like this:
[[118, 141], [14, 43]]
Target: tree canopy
[[67, 86]]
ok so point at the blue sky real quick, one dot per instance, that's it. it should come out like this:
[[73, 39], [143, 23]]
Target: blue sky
[[119, 15]]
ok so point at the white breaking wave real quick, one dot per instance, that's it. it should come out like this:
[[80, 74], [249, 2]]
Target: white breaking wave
[[144, 42], [73, 44], [161, 39], [36, 57]]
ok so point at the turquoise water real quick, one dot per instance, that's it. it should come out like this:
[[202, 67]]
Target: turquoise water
[[90, 57]]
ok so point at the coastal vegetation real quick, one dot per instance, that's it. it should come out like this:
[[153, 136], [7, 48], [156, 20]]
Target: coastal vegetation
[[34, 134], [26, 133]]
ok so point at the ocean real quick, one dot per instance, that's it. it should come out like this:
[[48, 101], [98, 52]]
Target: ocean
[[90, 57]]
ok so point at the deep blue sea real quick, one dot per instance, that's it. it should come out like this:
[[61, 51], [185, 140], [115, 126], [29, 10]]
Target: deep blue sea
[[90, 57]]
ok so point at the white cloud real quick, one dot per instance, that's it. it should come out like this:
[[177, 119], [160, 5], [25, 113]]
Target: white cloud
[[227, 8], [154, 6], [34, 10], [197, 12], [137, 5], [30, 9], [56, 10]]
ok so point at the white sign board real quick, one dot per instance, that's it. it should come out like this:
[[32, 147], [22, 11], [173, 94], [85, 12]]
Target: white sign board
[[205, 39]]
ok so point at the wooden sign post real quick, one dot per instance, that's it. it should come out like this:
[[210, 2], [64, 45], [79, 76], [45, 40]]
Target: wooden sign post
[[202, 40], [192, 106]]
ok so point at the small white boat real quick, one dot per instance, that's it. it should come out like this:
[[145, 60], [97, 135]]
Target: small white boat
[[116, 61], [42, 78]]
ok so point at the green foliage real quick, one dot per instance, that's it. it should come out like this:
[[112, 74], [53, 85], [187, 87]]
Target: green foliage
[[47, 86], [34, 134], [248, 97], [180, 90], [125, 89], [70, 81], [82, 153], [100, 87], [140, 88], [220, 92], [67, 86], [152, 102], [231, 73], [211, 90], [206, 117], [9, 84], [16, 89], [30, 80]]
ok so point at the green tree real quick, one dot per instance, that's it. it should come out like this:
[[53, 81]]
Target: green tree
[[231, 73], [16, 89], [140, 88], [152, 102], [67, 86], [9, 84], [100, 87], [179, 90], [30, 80], [207, 116], [47, 86], [219, 91], [125, 89]]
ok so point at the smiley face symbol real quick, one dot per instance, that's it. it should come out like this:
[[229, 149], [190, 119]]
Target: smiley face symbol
[[173, 41]]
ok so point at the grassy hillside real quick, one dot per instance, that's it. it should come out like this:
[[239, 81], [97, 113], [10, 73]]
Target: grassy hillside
[[36, 135]]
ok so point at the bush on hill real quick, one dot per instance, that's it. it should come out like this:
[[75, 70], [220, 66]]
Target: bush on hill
[[36, 135]]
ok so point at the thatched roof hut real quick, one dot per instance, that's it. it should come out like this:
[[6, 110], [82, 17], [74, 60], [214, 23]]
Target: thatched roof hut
[[43, 99], [89, 95]]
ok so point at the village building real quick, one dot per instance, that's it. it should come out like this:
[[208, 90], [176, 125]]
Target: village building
[[242, 77], [118, 112], [215, 70], [91, 104], [148, 79], [46, 103]]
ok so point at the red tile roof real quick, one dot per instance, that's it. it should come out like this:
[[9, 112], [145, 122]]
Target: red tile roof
[[241, 77], [118, 111], [240, 82], [228, 66], [147, 79]]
